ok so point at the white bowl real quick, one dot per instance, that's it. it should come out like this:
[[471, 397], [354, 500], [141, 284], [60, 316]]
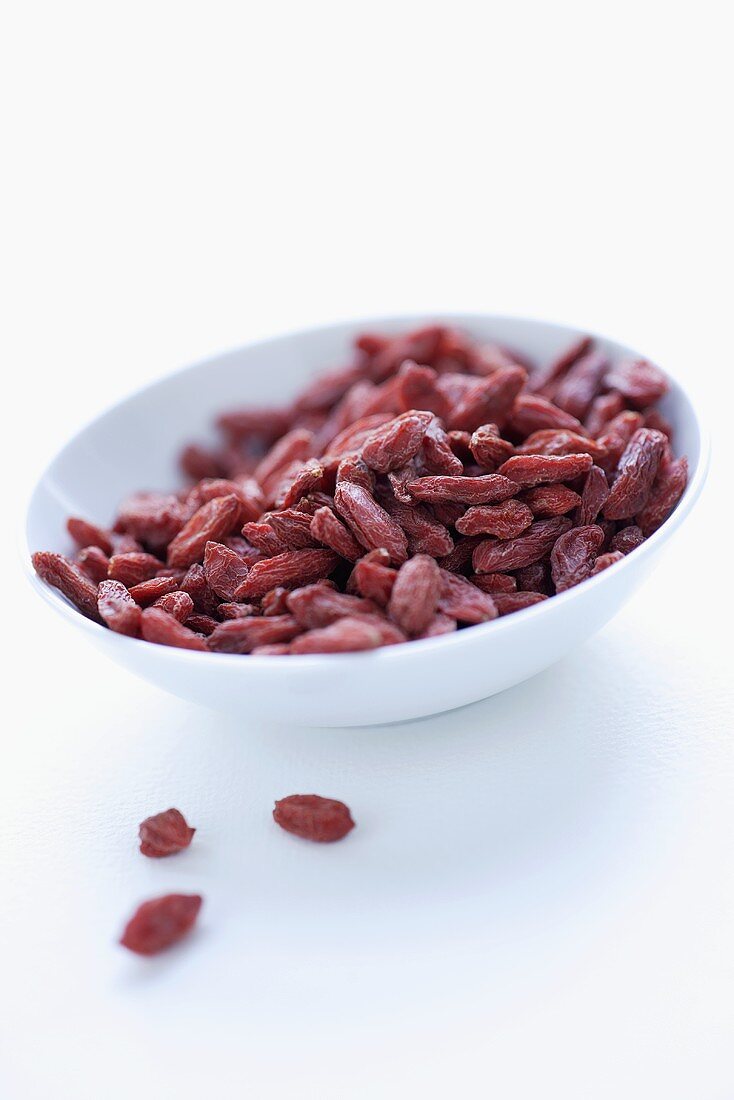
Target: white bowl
[[135, 444]]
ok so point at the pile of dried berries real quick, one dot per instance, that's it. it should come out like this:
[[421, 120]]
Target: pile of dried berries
[[431, 484]]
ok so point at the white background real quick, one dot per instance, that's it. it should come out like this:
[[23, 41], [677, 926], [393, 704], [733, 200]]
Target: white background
[[537, 901]]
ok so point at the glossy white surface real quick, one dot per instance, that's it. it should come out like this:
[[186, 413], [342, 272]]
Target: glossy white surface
[[134, 445]]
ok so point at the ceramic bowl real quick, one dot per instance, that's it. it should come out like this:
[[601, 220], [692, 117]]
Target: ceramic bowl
[[134, 445]]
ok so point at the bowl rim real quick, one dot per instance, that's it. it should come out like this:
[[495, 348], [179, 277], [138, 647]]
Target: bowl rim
[[383, 654]]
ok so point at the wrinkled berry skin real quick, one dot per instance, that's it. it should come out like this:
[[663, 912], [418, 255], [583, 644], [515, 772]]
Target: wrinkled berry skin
[[165, 834], [313, 818], [161, 922]]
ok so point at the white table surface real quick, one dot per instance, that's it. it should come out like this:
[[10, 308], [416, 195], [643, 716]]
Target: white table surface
[[537, 901]]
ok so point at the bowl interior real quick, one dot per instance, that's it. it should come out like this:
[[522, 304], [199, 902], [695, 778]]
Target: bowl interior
[[135, 444]]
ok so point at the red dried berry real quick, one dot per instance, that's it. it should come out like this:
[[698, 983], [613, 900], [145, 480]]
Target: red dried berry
[[506, 520], [545, 501], [628, 539], [561, 441], [575, 393], [87, 534], [94, 563], [118, 609], [605, 560], [63, 574], [668, 488], [488, 448], [603, 409], [178, 604], [224, 570], [160, 627], [290, 570], [545, 379], [314, 818], [496, 556], [316, 606], [638, 381], [133, 568], [463, 601], [529, 470], [415, 593], [573, 556], [487, 401], [348, 635], [150, 591], [373, 580], [370, 524], [593, 497], [160, 923], [395, 443], [509, 602], [487, 489], [164, 834], [532, 413], [243, 635], [635, 474], [210, 523], [495, 582]]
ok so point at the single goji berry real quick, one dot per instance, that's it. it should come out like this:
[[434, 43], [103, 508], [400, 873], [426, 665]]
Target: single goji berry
[[161, 922], [164, 834], [312, 817]]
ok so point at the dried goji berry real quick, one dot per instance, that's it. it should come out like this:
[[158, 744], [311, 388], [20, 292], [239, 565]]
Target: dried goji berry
[[369, 522], [149, 591], [573, 556], [529, 470], [393, 444], [312, 817], [496, 556], [118, 609], [373, 580], [545, 501], [667, 490], [87, 534], [533, 413], [210, 523], [508, 602], [506, 520], [94, 562], [638, 381], [348, 635], [628, 539], [178, 604], [635, 474], [581, 384], [161, 922], [605, 560], [164, 834], [545, 379], [487, 489], [63, 574], [224, 570], [316, 606], [242, 635], [133, 568], [289, 570], [160, 627], [488, 447], [593, 497], [415, 593], [462, 600]]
